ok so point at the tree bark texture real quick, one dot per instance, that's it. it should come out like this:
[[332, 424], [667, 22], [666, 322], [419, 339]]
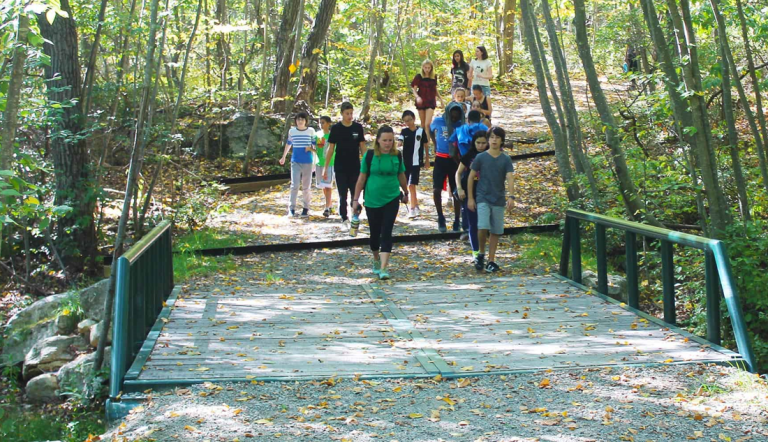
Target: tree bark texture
[[310, 54], [10, 117], [260, 95], [634, 204], [378, 30], [539, 66], [509, 34], [76, 233], [284, 43]]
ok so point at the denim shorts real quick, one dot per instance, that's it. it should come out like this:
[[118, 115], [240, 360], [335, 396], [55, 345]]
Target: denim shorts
[[486, 90]]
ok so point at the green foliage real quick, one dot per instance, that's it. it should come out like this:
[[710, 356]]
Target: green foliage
[[19, 425], [188, 265], [207, 238], [193, 212]]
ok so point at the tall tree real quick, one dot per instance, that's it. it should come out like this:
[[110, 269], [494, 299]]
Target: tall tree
[[509, 36], [74, 180], [377, 28], [251, 146], [541, 69], [285, 44], [634, 204], [10, 115], [310, 53]]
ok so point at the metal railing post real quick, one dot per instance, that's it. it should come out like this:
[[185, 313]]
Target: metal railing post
[[713, 298], [120, 338], [633, 288], [575, 251], [602, 259], [566, 252], [668, 281]]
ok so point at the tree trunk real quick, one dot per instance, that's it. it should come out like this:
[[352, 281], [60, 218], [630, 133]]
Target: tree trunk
[[539, 66], [753, 76], [634, 204], [572, 125], [310, 53], [137, 155], [378, 30], [284, 42], [260, 95], [509, 34], [76, 235], [730, 120], [10, 116], [89, 73]]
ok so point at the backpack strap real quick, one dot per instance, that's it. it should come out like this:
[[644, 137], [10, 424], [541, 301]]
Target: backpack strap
[[369, 159]]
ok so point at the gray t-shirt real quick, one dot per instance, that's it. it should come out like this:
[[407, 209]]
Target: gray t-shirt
[[492, 173]]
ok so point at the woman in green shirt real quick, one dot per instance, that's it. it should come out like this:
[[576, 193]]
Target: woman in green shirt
[[382, 175]]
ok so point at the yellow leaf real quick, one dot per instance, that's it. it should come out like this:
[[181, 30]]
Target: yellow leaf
[[233, 327], [449, 401], [238, 411], [316, 51], [415, 415], [398, 389], [468, 368], [188, 428], [264, 422], [544, 383]]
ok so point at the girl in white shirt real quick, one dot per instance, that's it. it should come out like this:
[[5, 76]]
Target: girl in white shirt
[[481, 71]]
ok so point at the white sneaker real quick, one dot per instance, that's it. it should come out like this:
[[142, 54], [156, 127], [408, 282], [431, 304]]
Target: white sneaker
[[416, 211], [411, 213], [345, 224]]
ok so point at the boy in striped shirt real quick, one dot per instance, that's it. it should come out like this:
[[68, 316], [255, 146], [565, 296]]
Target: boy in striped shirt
[[303, 141]]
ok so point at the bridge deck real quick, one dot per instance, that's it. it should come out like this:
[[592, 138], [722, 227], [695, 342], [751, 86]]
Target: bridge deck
[[460, 328]]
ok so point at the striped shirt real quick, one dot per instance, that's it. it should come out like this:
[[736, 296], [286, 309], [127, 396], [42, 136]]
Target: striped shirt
[[300, 140]]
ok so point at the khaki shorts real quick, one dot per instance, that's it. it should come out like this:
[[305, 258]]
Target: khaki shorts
[[319, 178]]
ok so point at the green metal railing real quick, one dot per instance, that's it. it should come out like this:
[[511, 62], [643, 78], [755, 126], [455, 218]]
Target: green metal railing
[[144, 282], [717, 269]]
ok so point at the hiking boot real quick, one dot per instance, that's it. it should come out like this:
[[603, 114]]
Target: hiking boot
[[441, 225], [492, 267], [479, 262], [327, 212], [305, 213]]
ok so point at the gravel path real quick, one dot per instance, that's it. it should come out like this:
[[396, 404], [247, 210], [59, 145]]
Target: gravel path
[[671, 403]]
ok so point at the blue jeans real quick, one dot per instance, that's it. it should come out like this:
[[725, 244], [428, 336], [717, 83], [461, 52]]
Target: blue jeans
[[472, 221]]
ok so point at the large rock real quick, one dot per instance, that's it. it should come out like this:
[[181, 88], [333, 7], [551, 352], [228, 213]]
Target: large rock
[[84, 327], [95, 334], [66, 324], [42, 388], [617, 285], [51, 354], [229, 138], [77, 378], [34, 323], [92, 300]]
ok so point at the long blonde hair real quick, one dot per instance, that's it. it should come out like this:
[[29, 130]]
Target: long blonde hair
[[383, 130], [431, 73]]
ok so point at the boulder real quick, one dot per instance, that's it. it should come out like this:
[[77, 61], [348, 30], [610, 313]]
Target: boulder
[[66, 324], [76, 378], [42, 388], [51, 354], [617, 285], [92, 300], [229, 138], [84, 327], [30, 325], [95, 334]]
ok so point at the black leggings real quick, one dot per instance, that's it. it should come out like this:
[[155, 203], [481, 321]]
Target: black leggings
[[381, 221], [345, 183]]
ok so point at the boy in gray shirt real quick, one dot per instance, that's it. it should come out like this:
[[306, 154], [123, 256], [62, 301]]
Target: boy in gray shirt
[[491, 168]]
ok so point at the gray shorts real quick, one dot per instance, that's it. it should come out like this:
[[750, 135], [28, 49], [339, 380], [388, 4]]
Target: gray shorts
[[490, 218]]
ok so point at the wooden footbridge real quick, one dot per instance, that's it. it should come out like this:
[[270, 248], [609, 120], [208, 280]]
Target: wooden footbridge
[[164, 337]]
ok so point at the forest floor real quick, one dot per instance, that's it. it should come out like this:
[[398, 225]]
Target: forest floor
[[667, 403]]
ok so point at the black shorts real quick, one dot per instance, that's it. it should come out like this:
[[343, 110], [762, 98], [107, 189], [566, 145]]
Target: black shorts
[[444, 167], [412, 174]]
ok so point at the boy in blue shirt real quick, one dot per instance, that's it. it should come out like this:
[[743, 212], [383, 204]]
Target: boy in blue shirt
[[446, 162], [463, 135]]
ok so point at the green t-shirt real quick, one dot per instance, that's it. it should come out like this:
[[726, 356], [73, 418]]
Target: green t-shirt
[[382, 185], [321, 151]]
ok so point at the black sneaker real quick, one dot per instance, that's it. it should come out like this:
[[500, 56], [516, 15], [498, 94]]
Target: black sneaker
[[456, 226], [291, 212], [441, 225], [479, 262], [492, 267], [327, 212], [304, 213]]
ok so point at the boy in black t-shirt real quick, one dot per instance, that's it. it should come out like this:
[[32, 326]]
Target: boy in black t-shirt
[[413, 140], [347, 139]]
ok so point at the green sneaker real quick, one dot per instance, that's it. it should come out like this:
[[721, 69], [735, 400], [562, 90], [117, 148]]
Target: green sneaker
[[383, 275], [376, 267]]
